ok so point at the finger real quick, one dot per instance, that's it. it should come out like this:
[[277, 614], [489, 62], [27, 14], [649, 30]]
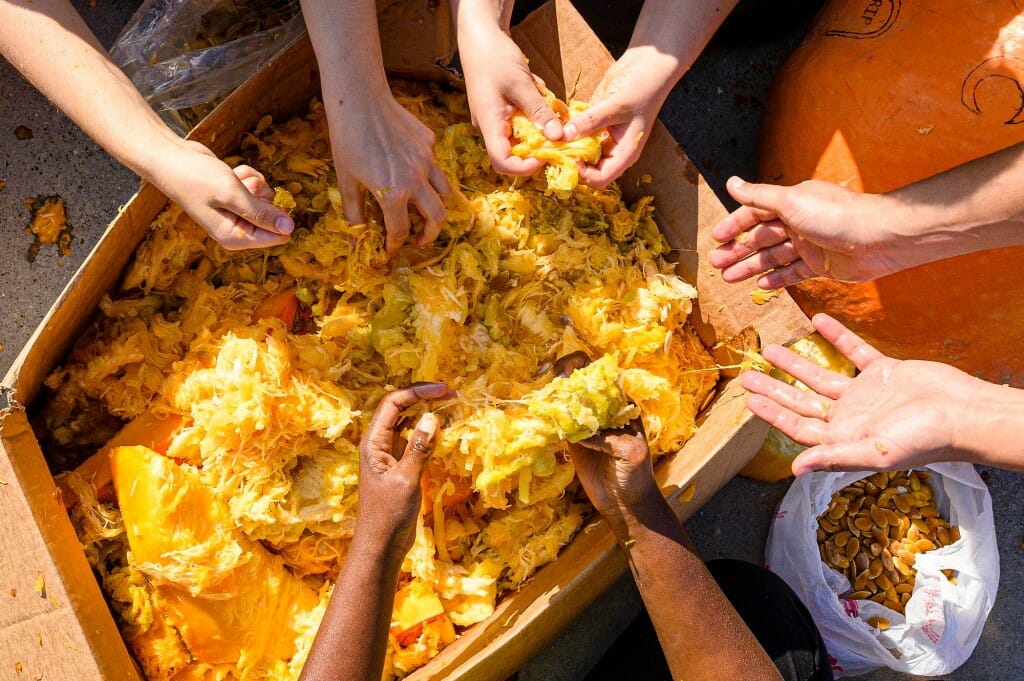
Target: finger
[[439, 181], [862, 455], [254, 181], [760, 236], [592, 120], [761, 262], [499, 148], [352, 200], [529, 99], [566, 364], [431, 207], [621, 153], [255, 211], [235, 234], [768, 197], [420, 446], [396, 222], [789, 397], [390, 408], [816, 377], [793, 273], [258, 188], [804, 430], [739, 221], [597, 443], [852, 346]]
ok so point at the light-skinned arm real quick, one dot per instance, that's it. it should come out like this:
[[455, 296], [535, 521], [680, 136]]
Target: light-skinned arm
[[783, 235], [894, 414], [499, 82], [351, 643], [701, 634], [377, 144], [50, 44], [667, 39]]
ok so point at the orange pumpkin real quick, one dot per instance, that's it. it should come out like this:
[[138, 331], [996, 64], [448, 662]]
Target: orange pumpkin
[[883, 93]]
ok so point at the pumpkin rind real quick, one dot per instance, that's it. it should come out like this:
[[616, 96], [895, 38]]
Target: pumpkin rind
[[881, 95]]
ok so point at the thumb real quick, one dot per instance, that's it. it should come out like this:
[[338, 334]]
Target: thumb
[[590, 121], [766, 197], [260, 212], [533, 104], [420, 446]]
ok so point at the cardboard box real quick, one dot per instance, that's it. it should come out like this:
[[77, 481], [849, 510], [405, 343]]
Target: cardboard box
[[54, 622]]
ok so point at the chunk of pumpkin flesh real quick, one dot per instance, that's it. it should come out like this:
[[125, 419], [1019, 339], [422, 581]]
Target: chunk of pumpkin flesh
[[148, 428], [244, 611]]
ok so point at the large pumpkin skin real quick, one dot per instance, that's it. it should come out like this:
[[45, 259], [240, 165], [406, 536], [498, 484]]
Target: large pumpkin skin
[[883, 93]]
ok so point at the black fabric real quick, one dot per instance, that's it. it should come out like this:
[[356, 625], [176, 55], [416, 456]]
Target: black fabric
[[751, 22], [770, 609]]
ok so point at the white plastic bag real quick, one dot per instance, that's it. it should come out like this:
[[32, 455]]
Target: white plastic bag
[[943, 621]]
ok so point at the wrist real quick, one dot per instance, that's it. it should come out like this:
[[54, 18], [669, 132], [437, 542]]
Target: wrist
[[633, 521], [377, 551], [660, 70], [990, 429], [158, 159], [478, 32]]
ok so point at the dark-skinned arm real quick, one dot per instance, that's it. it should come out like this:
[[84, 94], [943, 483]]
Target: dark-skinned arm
[[351, 643], [701, 634]]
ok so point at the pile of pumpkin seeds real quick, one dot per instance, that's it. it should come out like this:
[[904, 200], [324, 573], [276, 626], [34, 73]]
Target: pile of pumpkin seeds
[[874, 529]]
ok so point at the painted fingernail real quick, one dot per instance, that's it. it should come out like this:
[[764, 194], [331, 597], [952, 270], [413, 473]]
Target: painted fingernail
[[284, 224], [428, 424]]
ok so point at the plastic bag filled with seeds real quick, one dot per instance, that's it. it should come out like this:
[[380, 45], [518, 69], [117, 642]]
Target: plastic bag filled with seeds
[[897, 569]]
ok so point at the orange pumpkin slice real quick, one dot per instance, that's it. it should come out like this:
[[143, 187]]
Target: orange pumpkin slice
[[149, 429], [228, 598]]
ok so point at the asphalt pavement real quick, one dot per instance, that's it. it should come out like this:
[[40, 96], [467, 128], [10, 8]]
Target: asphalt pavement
[[713, 113]]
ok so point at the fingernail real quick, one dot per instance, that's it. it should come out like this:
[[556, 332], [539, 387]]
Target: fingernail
[[553, 129], [428, 424], [569, 132], [284, 224]]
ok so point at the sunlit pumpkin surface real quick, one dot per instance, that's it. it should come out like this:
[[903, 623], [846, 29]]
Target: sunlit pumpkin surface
[[248, 378]]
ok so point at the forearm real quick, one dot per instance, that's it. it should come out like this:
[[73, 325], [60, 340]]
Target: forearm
[[974, 207], [490, 14], [991, 431], [347, 44], [669, 35], [351, 643], [700, 632], [52, 46]]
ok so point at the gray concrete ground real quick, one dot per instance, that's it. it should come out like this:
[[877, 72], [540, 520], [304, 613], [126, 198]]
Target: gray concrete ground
[[714, 115]]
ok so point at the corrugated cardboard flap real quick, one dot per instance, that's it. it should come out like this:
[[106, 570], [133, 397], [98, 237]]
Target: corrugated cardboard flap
[[50, 624]]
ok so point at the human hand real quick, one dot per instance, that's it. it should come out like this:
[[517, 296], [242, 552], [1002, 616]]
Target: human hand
[[614, 466], [234, 206], [894, 414], [379, 145], [626, 103], [784, 235], [389, 486], [499, 83]]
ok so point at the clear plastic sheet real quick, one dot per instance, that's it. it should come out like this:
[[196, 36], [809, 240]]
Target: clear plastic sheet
[[183, 84]]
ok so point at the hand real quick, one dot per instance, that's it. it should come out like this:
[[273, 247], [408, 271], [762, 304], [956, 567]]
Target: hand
[[614, 466], [784, 235], [626, 103], [235, 207], [499, 84], [894, 414], [389, 487], [378, 145]]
